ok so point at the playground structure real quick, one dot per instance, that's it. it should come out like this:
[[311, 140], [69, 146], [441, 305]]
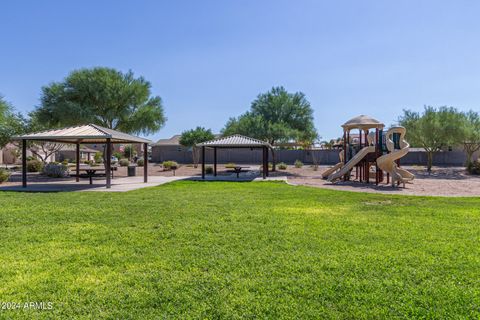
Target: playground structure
[[373, 150]]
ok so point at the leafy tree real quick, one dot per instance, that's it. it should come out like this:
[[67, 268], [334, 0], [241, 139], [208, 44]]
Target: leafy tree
[[471, 142], [129, 151], [41, 149], [190, 138], [434, 129], [11, 123], [102, 96], [276, 116]]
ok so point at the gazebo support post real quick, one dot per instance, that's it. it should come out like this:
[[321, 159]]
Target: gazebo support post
[[203, 162], [24, 163], [108, 163], [77, 165], [145, 162], [215, 161], [264, 164], [266, 160]]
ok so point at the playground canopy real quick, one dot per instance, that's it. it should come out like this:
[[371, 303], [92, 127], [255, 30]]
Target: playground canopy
[[235, 141], [84, 134], [362, 122]]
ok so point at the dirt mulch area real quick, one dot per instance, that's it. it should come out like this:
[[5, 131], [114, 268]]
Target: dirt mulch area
[[442, 181]]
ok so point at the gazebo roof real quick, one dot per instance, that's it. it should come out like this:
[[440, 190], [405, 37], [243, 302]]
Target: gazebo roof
[[362, 122], [235, 141], [88, 133]]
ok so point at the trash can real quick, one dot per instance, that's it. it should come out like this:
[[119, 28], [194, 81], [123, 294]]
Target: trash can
[[132, 171]]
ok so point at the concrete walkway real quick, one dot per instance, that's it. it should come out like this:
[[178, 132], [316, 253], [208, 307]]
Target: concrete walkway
[[118, 185]]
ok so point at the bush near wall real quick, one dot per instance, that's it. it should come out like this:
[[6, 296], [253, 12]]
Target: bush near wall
[[298, 164], [282, 166], [4, 175], [474, 167], [34, 165], [55, 170], [123, 162], [169, 165]]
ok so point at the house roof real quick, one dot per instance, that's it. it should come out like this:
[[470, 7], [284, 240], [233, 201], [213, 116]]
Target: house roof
[[235, 141], [173, 141], [362, 122], [71, 147], [88, 133]]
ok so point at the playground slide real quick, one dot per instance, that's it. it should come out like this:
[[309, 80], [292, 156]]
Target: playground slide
[[350, 164], [331, 170], [387, 162], [335, 167]]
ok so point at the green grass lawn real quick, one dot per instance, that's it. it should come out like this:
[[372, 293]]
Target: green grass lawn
[[240, 250]]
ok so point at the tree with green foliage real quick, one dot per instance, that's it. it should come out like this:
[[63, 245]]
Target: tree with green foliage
[[471, 142], [42, 150], [102, 96], [434, 129], [276, 116], [191, 138], [11, 123], [129, 151]]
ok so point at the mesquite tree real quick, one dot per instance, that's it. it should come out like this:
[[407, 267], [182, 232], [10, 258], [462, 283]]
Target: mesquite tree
[[191, 138], [276, 116], [434, 129]]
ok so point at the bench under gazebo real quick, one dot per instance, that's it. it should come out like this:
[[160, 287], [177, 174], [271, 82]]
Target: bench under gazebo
[[84, 134], [234, 142]]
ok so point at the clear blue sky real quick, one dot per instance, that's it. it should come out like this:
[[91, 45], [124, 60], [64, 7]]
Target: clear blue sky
[[209, 59]]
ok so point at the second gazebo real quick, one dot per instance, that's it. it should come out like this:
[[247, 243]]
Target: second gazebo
[[234, 142]]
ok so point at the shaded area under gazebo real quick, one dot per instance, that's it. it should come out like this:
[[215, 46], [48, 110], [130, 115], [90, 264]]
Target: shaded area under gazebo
[[84, 134], [233, 142]]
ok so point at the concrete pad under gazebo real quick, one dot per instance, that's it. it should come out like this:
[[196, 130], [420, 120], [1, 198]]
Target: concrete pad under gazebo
[[84, 134], [232, 142]]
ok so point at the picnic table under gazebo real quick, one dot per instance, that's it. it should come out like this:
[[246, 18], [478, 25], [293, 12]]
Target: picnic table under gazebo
[[84, 134]]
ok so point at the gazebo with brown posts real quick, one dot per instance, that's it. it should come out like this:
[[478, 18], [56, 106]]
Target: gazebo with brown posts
[[84, 134], [234, 142]]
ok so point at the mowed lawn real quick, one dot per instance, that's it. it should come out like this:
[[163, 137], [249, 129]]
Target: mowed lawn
[[239, 250]]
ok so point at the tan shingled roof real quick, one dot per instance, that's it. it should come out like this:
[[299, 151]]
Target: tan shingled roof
[[234, 141], [89, 133], [362, 122]]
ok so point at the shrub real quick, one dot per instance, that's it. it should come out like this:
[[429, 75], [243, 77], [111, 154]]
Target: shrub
[[118, 155], [123, 162], [4, 175], [474, 167], [298, 164], [282, 166], [129, 151], [230, 165], [170, 165], [209, 170], [34, 165], [55, 170], [98, 157], [140, 162]]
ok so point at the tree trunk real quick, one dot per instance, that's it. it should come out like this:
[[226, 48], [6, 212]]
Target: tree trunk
[[194, 156], [429, 161], [470, 149], [274, 166], [469, 157]]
